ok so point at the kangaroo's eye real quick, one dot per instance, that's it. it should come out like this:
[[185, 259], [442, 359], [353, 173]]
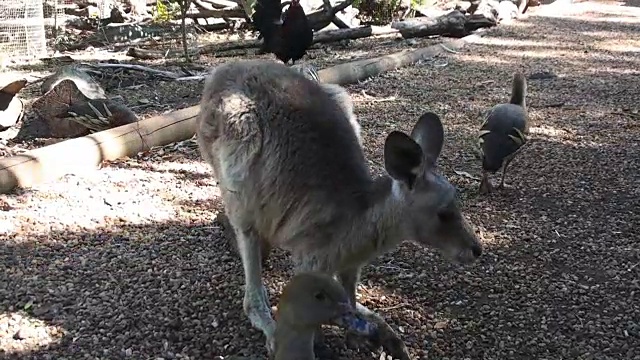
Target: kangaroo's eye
[[320, 296]]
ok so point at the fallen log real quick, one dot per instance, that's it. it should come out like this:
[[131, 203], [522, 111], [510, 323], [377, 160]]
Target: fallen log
[[327, 36], [221, 13], [360, 70], [213, 4], [351, 34], [323, 17], [146, 54], [78, 155], [453, 24]]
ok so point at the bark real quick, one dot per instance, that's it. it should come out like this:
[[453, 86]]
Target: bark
[[86, 153]]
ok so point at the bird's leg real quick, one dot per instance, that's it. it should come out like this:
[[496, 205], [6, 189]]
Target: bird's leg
[[485, 183], [504, 170]]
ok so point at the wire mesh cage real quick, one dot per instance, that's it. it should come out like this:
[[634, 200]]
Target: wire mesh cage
[[54, 11], [22, 32]]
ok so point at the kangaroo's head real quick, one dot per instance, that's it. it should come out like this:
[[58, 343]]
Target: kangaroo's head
[[432, 215]]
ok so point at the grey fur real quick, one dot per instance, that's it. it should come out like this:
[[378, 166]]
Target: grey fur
[[340, 95], [293, 174]]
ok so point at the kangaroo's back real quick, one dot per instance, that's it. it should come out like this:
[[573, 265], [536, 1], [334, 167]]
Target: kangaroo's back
[[283, 150]]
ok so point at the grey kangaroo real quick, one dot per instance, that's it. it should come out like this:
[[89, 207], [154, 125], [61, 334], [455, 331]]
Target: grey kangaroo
[[292, 174]]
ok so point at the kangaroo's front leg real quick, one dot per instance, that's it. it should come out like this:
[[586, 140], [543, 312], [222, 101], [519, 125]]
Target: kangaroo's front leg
[[385, 336], [256, 300]]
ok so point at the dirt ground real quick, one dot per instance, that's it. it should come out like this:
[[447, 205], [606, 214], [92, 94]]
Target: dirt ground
[[128, 262]]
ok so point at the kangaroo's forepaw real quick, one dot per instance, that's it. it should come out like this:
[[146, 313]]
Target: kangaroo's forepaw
[[396, 348], [318, 339], [271, 343], [352, 340], [503, 186], [390, 342], [485, 187]]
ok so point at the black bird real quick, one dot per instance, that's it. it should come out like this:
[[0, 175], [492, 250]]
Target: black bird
[[503, 133], [288, 35], [267, 19], [296, 32]]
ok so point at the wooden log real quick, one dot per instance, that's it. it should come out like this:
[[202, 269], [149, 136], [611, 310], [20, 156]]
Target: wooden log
[[453, 24], [323, 17], [327, 36], [77, 155], [222, 13], [213, 4], [351, 34], [81, 154], [146, 54], [360, 70]]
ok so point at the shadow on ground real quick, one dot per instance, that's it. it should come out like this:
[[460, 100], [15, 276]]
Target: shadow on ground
[[116, 293]]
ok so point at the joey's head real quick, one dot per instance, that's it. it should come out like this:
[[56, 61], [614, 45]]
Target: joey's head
[[432, 216], [311, 299]]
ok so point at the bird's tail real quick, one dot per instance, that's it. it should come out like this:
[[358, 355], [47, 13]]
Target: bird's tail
[[519, 90]]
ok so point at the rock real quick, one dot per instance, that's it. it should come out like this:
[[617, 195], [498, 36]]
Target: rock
[[507, 11], [85, 83], [11, 107]]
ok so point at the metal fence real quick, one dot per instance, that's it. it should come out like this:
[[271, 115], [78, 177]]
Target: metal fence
[[22, 28]]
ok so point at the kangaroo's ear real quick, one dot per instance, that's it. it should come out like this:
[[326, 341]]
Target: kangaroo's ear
[[403, 158], [429, 134]]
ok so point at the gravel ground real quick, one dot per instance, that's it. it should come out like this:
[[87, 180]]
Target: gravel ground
[[127, 262]]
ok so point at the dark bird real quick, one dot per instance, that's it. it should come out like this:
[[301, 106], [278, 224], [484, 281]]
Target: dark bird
[[503, 133], [297, 33], [288, 35], [267, 19], [308, 301]]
